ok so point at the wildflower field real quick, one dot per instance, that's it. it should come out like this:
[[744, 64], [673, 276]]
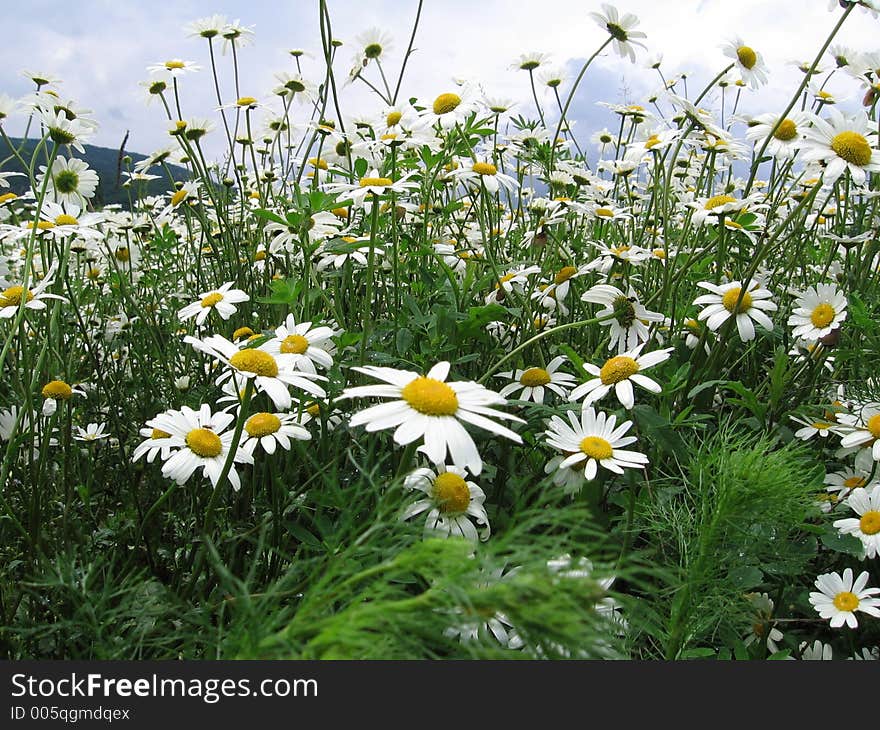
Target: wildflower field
[[446, 376]]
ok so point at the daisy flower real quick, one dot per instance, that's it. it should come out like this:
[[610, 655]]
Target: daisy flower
[[626, 317], [12, 297], [729, 300], [451, 108], [864, 430], [619, 373], [867, 527], [818, 311], [811, 427], [484, 174], [64, 131], [785, 140], [533, 381], [762, 628], [222, 300], [839, 598], [92, 432], [428, 407], [372, 184], [310, 347], [620, 29], [749, 62], [570, 478], [272, 374], [199, 439], [594, 440], [515, 279], [174, 67], [373, 43], [70, 181], [451, 502], [56, 390], [842, 143], [270, 430], [843, 482]]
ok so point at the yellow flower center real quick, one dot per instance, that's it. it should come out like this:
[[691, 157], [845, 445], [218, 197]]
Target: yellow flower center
[[204, 443], [123, 254], [212, 299], [534, 377], [874, 426], [451, 493], [870, 522], [314, 410], [179, 197], [318, 162], [652, 141], [852, 147], [846, 601], [6, 197], [393, 118], [12, 296], [596, 448], [262, 424], [617, 369], [786, 131], [172, 65], [747, 57], [255, 361], [158, 433], [242, 332], [294, 344], [246, 101], [564, 274], [445, 103], [717, 201], [823, 315], [731, 297], [604, 212], [66, 220], [854, 482], [376, 182], [58, 390], [431, 397], [485, 168]]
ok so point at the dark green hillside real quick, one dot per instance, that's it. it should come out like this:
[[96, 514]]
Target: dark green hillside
[[104, 161]]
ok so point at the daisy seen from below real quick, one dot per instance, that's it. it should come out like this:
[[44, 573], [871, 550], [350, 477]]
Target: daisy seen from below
[[70, 181], [310, 346], [621, 30], [866, 527], [199, 440], [784, 135], [748, 61], [427, 407], [811, 427], [451, 502], [619, 373], [174, 67], [594, 440], [484, 174], [839, 598], [729, 300], [58, 390], [271, 374], [818, 311], [842, 143], [532, 383], [451, 107], [626, 317], [92, 432], [221, 300], [270, 430], [373, 184]]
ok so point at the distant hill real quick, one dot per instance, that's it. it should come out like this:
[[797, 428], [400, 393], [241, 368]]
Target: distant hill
[[104, 161]]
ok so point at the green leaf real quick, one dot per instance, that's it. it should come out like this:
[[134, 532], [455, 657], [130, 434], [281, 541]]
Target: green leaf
[[403, 341]]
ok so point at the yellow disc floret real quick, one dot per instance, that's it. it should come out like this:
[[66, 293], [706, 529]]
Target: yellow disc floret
[[204, 442], [485, 168], [58, 390], [212, 299], [255, 361], [846, 601], [294, 344], [451, 493], [446, 103], [431, 397], [747, 57], [597, 448], [870, 522], [534, 377], [732, 296], [852, 147], [13, 296], [823, 315], [375, 182], [717, 201], [786, 131], [874, 426], [617, 369], [262, 424]]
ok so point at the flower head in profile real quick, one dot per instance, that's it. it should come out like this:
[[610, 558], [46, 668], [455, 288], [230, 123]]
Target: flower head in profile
[[533, 382], [427, 407], [620, 28], [12, 297], [451, 502], [749, 62]]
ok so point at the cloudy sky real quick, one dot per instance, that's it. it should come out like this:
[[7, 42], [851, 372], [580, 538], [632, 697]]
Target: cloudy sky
[[101, 48]]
